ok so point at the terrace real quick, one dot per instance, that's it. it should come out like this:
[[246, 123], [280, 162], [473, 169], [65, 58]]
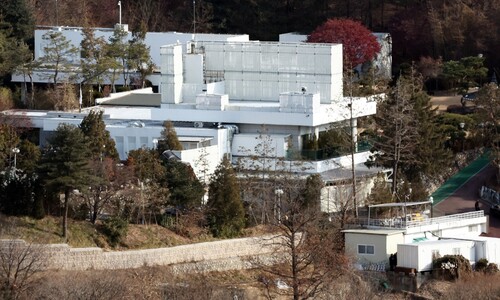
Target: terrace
[[417, 217]]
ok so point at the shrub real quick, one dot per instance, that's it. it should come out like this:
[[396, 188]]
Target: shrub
[[491, 268], [451, 267], [115, 230], [481, 265]]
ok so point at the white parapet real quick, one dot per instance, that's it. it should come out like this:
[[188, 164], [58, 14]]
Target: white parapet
[[211, 101], [296, 102]]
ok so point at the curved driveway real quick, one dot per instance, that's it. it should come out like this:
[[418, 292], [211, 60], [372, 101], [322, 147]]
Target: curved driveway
[[463, 199]]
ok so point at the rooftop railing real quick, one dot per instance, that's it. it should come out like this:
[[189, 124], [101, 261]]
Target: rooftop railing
[[409, 222]]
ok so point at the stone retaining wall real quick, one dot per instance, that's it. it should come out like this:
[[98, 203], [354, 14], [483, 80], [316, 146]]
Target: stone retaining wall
[[209, 256]]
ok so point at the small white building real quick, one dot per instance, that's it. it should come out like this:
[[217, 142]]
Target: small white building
[[372, 246], [377, 235], [420, 255], [484, 247]]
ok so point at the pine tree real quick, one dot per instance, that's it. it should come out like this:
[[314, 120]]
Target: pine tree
[[65, 164], [139, 58], [117, 50], [58, 54], [100, 141], [169, 139], [226, 215], [432, 157], [94, 62], [186, 191]]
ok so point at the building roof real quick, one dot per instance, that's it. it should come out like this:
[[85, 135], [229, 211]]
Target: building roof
[[346, 173], [133, 99]]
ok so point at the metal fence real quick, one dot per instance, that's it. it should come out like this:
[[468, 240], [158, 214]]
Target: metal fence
[[407, 222]]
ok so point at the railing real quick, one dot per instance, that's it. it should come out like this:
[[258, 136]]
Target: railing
[[447, 219], [409, 223]]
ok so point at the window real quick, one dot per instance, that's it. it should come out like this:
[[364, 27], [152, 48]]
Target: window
[[366, 249], [456, 251], [472, 228]]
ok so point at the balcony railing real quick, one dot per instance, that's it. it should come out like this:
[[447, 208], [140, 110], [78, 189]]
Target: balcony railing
[[409, 222]]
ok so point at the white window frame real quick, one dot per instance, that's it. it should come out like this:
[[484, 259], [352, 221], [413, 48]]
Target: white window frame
[[366, 246]]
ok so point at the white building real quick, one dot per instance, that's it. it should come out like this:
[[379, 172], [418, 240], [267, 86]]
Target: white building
[[227, 95], [380, 238], [154, 40]]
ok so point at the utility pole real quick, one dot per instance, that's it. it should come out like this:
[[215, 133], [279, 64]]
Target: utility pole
[[194, 16], [353, 151]]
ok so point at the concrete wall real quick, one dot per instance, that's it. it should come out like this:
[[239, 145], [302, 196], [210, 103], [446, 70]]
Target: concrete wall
[[209, 256], [384, 245]]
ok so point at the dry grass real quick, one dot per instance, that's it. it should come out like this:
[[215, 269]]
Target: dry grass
[[85, 234]]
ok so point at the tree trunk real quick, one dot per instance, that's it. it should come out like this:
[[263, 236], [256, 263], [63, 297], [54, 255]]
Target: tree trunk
[[65, 215], [94, 212], [296, 292]]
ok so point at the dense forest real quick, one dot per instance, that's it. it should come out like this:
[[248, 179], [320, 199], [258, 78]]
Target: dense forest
[[420, 28]]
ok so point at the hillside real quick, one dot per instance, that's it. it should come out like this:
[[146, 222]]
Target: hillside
[[84, 234]]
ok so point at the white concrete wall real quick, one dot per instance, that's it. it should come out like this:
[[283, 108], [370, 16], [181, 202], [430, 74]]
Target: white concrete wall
[[172, 72], [382, 61], [419, 255], [267, 146], [260, 71], [204, 160]]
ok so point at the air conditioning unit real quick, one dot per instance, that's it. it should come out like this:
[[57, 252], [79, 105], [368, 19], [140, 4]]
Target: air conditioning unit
[[198, 124]]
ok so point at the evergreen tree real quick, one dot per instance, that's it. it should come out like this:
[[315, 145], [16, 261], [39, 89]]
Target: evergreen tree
[[58, 55], [186, 191], [150, 173], [169, 139], [94, 61], [117, 50], [18, 18], [226, 215], [488, 103], [100, 142], [432, 157], [65, 165], [139, 58]]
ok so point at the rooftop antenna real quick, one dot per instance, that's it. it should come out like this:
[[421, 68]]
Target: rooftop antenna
[[120, 14]]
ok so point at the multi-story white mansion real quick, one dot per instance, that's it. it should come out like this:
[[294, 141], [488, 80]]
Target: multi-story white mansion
[[228, 96]]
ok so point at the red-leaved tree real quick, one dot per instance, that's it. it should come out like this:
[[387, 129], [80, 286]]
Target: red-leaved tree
[[359, 44]]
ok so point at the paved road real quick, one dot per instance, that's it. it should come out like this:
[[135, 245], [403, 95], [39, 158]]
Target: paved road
[[463, 199]]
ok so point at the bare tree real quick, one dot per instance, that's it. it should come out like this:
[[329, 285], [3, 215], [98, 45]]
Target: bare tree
[[397, 118], [259, 187], [307, 255], [19, 264]]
